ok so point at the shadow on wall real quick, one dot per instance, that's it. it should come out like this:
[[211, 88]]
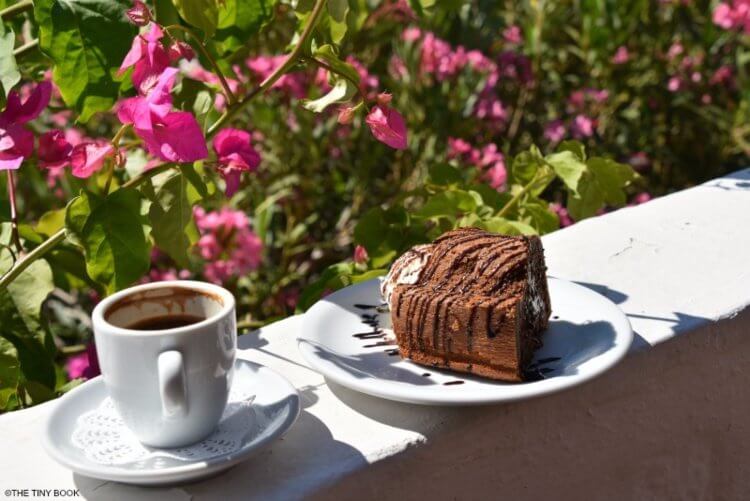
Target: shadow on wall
[[682, 322], [739, 180]]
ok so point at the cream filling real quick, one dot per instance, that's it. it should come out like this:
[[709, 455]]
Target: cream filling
[[406, 270]]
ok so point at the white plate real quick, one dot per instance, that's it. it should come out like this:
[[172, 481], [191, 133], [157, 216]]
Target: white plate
[[266, 406], [588, 334]]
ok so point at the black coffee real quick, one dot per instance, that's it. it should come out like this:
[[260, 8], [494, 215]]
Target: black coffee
[[164, 322]]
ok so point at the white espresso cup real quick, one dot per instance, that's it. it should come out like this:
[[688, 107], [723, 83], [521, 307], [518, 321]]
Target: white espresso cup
[[169, 385]]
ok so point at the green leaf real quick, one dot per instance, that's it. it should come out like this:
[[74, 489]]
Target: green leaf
[[29, 290], [25, 337], [604, 183], [9, 74], [568, 167], [111, 233], [239, 20], [537, 215], [506, 226], [10, 373], [611, 177], [526, 164], [450, 203], [444, 174], [203, 14], [337, 10], [331, 278], [328, 55], [171, 216], [51, 222], [87, 41], [574, 147], [342, 91]]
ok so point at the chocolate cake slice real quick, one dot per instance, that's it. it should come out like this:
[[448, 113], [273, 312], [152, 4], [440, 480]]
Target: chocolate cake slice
[[471, 301]]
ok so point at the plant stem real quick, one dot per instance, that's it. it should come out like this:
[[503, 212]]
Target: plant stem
[[116, 145], [312, 20], [27, 47], [13, 212], [58, 237], [331, 69], [32, 256], [513, 201], [231, 98], [73, 349], [14, 9]]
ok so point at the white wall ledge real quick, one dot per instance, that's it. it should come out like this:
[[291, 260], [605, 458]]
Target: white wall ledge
[[668, 422]]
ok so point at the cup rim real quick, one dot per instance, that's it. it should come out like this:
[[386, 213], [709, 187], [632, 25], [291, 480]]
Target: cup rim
[[98, 315]]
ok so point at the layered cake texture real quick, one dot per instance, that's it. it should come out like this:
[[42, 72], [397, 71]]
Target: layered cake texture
[[471, 301]]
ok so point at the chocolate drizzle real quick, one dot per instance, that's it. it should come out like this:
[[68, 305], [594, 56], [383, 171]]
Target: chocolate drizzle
[[439, 319]]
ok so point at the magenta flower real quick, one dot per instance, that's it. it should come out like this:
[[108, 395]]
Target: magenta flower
[[16, 142], [674, 84], [235, 155], [54, 149], [180, 50], [360, 255], [227, 243], [84, 365], [512, 34], [387, 125], [294, 84], [411, 34], [346, 115], [458, 148], [139, 13], [562, 214], [172, 136], [582, 127], [621, 56], [736, 15], [555, 131], [148, 56], [88, 157]]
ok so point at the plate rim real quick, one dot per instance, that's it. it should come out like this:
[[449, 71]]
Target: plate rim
[[192, 470], [390, 391]]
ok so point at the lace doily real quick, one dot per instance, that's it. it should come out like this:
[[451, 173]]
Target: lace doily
[[104, 439]]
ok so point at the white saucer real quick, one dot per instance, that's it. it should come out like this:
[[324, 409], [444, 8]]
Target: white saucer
[[588, 334], [84, 433]]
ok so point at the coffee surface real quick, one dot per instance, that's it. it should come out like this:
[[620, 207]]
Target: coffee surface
[[164, 322]]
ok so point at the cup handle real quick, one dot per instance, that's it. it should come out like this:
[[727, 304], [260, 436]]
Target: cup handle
[[172, 384]]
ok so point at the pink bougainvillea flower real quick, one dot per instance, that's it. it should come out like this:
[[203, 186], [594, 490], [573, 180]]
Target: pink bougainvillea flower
[[235, 155], [555, 131], [621, 55], [733, 15], [674, 84], [411, 34], [88, 157], [172, 136], [562, 214], [346, 115], [360, 255], [139, 13], [16, 142], [294, 84], [84, 365], [384, 99], [582, 127], [227, 243], [148, 56], [458, 148], [512, 34], [388, 126], [181, 50], [54, 149]]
